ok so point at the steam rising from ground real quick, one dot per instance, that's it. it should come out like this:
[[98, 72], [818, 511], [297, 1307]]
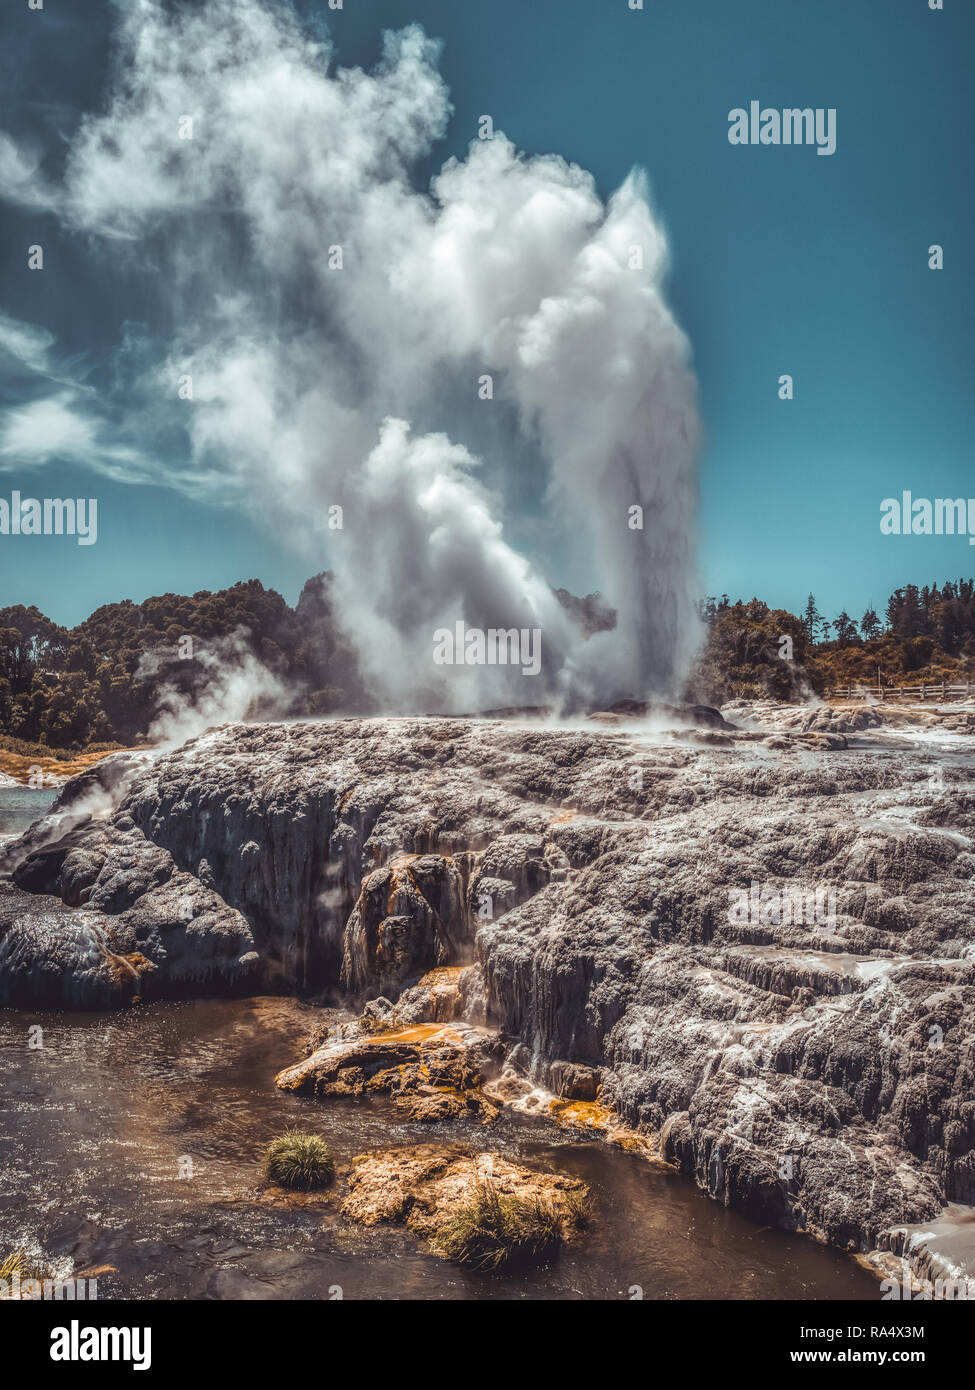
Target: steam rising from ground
[[316, 386], [228, 683]]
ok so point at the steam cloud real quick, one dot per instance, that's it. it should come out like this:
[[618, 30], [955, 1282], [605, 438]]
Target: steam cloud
[[315, 386], [228, 684]]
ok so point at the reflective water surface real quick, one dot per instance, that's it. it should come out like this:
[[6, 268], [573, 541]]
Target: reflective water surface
[[21, 806], [97, 1125]]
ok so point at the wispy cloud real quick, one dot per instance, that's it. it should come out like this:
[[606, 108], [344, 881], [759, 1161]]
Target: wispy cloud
[[20, 179], [27, 344], [56, 429]]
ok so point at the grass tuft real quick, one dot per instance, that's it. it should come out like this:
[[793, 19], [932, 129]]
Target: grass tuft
[[299, 1160], [494, 1230], [19, 1264]]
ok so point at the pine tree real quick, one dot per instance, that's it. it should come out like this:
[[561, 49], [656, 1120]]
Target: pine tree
[[845, 629], [812, 619], [870, 624]]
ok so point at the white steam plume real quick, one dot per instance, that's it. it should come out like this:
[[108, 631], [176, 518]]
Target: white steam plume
[[315, 385], [228, 684]]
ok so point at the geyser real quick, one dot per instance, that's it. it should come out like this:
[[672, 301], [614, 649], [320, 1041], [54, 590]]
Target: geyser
[[328, 322]]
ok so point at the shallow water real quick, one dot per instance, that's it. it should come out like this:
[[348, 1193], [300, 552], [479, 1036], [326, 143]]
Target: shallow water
[[21, 806], [96, 1123]]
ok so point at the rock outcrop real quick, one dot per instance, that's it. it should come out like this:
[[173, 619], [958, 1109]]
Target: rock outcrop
[[759, 957], [422, 1187], [94, 915], [409, 917], [433, 1071]]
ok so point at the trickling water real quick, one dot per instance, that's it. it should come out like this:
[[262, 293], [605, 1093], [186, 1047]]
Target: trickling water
[[94, 1126]]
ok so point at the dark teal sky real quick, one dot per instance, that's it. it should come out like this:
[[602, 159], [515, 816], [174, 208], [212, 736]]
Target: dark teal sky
[[783, 261]]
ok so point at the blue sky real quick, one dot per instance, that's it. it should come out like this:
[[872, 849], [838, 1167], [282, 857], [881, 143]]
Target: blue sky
[[782, 262]]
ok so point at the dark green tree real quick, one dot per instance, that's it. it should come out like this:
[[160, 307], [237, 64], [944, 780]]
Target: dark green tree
[[845, 629], [869, 625]]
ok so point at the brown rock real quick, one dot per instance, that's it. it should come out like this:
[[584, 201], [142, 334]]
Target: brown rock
[[423, 1185], [435, 1072]]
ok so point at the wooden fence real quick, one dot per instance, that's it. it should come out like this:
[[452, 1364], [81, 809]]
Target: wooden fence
[[960, 691]]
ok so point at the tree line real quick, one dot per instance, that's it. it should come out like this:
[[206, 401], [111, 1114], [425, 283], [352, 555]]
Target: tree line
[[946, 614], [97, 682], [927, 633]]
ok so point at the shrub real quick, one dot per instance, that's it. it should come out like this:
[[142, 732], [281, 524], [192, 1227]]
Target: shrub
[[300, 1160], [494, 1230]]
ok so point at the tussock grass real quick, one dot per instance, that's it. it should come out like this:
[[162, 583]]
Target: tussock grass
[[19, 1264], [299, 1160], [15, 1263], [495, 1230]]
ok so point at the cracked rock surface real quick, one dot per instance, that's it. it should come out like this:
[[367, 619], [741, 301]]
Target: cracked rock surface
[[760, 950]]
